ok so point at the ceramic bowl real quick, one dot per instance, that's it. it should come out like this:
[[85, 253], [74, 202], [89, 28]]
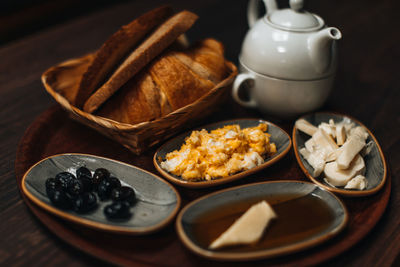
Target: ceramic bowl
[[283, 98], [193, 217], [278, 136], [157, 202], [376, 170]]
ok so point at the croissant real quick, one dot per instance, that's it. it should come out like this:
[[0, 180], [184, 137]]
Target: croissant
[[173, 80]]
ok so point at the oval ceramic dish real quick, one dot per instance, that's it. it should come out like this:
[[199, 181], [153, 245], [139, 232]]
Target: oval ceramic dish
[[156, 205], [375, 164], [278, 136], [278, 194]]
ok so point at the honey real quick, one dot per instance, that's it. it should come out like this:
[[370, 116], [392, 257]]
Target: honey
[[298, 219]]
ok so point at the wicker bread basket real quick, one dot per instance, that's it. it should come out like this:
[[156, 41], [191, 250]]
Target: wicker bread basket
[[61, 82]]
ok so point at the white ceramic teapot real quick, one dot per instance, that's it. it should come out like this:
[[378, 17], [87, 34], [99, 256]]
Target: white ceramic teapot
[[289, 55]]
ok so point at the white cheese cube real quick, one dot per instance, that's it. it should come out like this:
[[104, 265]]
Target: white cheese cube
[[359, 132], [328, 129], [347, 124], [339, 177], [350, 149], [309, 145], [315, 159], [367, 149], [305, 127], [340, 135], [326, 144], [358, 182], [323, 140]]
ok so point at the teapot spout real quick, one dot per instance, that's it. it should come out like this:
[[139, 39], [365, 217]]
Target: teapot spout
[[321, 48]]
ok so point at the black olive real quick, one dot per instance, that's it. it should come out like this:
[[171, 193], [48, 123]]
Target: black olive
[[64, 178], [87, 183], [106, 186], [117, 210], [104, 190], [51, 186], [71, 198], [75, 187], [60, 199], [99, 175], [83, 172], [51, 183], [85, 202], [85, 176], [124, 193], [115, 182]]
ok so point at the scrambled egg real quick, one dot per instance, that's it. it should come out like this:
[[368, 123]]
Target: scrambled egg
[[220, 153]]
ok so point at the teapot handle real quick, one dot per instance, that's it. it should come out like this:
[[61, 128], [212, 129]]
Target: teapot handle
[[252, 10], [240, 79]]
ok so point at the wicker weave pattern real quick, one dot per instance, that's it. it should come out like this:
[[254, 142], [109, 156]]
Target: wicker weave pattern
[[137, 137]]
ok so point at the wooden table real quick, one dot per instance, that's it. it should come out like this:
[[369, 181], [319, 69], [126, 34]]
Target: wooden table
[[367, 87]]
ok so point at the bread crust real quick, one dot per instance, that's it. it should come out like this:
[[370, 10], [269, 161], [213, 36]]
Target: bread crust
[[116, 48], [160, 39]]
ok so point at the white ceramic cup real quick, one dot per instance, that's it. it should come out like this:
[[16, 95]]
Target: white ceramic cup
[[282, 98]]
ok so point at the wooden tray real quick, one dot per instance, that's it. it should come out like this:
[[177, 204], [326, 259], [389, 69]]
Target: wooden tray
[[54, 132]]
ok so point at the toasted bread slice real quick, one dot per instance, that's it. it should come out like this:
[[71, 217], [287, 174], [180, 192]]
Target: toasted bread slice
[[116, 48], [160, 39]]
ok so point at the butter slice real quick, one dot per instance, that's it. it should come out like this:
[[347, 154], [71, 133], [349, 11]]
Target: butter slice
[[248, 228]]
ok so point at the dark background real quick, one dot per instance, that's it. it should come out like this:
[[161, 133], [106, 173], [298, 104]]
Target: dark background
[[19, 18], [37, 34]]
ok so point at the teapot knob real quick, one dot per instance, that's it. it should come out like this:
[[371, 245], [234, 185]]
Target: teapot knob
[[296, 5]]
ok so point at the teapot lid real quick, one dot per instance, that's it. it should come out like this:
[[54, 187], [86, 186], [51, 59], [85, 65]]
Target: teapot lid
[[295, 18]]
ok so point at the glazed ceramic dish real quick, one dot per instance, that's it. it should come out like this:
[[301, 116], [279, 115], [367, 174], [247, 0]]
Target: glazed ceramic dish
[[293, 230], [375, 164], [278, 136], [283, 98], [156, 205]]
